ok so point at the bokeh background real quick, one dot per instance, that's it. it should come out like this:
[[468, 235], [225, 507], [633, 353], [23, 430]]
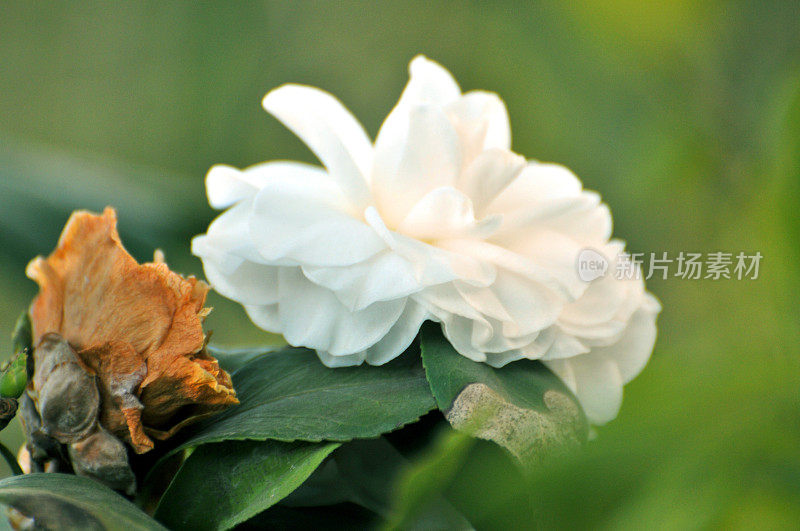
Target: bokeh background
[[684, 115]]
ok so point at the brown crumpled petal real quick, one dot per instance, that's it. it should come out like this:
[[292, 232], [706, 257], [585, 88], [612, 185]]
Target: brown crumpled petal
[[138, 327], [120, 371]]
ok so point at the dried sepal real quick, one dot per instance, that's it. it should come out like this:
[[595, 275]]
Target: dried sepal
[[103, 457], [45, 454], [120, 371], [63, 391]]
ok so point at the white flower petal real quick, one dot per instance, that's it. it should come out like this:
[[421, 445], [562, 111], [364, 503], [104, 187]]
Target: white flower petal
[[413, 157], [485, 299], [482, 121], [537, 184], [517, 292], [558, 280], [564, 346], [603, 310], [488, 174], [344, 360], [494, 341], [313, 317], [540, 345], [583, 218], [385, 276], [632, 351], [501, 359], [596, 382], [553, 253], [597, 376], [250, 283], [227, 241], [429, 84], [432, 265], [532, 348], [399, 337], [446, 213], [601, 314], [458, 331], [265, 316], [226, 185], [331, 132], [445, 300], [437, 265], [305, 220]]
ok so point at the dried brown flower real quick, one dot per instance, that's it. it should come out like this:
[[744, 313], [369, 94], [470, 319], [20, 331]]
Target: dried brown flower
[[136, 329]]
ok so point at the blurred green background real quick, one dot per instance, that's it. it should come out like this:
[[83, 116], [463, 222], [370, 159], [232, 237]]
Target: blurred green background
[[684, 115]]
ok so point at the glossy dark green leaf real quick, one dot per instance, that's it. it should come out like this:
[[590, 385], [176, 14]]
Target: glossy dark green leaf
[[61, 501], [223, 484], [523, 406], [232, 360], [289, 395], [366, 472]]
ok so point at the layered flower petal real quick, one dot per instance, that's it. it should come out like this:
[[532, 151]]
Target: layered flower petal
[[412, 158], [312, 316], [481, 119], [330, 131], [439, 221], [313, 222]]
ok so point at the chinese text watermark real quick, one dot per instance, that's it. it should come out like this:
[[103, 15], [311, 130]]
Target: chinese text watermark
[[592, 264]]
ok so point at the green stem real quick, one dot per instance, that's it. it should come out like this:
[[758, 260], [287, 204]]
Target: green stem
[[11, 459]]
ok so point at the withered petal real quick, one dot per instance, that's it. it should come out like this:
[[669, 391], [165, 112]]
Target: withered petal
[[191, 387], [104, 294], [120, 370], [138, 327]]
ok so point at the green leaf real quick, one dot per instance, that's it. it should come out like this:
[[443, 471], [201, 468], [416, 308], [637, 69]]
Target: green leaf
[[61, 501], [523, 406], [231, 360], [289, 395], [365, 472], [423, 483], [223, 484], [11, 460]]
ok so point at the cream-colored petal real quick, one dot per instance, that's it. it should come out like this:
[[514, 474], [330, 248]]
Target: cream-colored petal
[[331, 132]]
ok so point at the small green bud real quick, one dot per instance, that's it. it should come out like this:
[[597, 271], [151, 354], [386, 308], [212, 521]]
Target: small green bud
[[15, 377]]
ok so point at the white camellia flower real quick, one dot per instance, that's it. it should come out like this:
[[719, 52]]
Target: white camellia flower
[[437, 220]]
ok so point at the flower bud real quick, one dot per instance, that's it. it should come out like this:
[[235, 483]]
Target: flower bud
[[14, 377]]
